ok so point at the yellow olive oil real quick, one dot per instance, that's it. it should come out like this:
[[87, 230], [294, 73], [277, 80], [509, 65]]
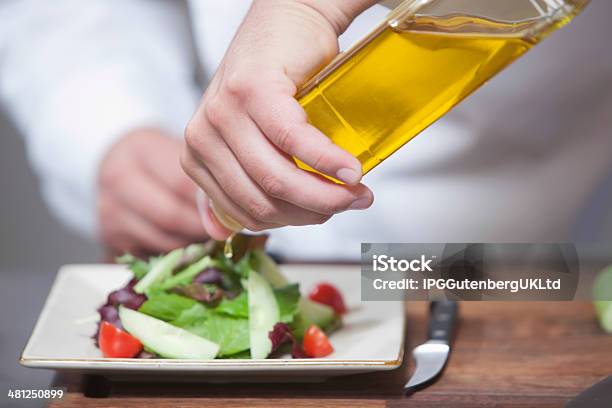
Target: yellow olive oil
[[228, 248], [405, 78]]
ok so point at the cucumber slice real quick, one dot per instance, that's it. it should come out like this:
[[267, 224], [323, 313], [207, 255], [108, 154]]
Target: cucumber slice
[[604, 313], [269, 269], [185, 276], [263, 315], [164, 339], [602, 293], [162, 269], [310, 312]]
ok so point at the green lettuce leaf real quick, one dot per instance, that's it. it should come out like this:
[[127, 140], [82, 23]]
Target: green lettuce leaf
[[185, 276], [245, 265], [166, 306], [237, 307], [245, 355], [230, 333], [602, 293], [287, 298], [194, 315], [138, 266]]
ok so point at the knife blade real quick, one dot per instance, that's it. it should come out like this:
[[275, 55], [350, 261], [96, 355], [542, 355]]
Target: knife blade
[[431, 356]]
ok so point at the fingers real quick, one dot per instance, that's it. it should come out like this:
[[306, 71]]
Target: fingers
[[223, 203], [125, 230], [171, 176], [138, 209], [276, 174], [210, 221], [250, 202], [261, 213], [281, 118], [160, 206]]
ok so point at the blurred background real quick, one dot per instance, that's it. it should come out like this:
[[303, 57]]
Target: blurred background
[[33, 243], [31, 236]]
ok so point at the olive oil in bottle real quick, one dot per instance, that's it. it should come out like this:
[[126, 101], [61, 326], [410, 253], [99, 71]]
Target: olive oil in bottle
[[402, 78]]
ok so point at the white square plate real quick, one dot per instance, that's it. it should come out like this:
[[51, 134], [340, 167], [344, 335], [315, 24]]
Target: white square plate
[[371, 338]]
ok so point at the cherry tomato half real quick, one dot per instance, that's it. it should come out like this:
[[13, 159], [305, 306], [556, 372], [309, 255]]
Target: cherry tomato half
[[316, 343], [328, 295], [116, 343]]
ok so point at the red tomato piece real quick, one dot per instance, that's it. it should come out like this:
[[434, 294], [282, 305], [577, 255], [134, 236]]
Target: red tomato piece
[[316, 343], [116, 343], [327, 294]]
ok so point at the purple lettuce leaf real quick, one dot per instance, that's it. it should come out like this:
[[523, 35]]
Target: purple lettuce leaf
[[126, 296], [146, 354], [210, 295], [209, 275], [281, 334], [109, 313], [110, 310]]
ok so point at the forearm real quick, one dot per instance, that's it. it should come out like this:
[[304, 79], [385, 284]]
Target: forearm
[[339, 13]]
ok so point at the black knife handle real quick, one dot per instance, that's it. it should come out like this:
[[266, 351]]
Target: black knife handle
[[442, 319]]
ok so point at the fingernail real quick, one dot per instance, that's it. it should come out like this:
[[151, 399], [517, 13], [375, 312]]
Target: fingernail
[[349, 176], [360, 204]]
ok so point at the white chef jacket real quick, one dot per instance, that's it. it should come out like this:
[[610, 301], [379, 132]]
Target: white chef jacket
[[521, 160]]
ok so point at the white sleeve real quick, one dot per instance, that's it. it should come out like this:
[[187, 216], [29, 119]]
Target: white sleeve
[[77, 75]]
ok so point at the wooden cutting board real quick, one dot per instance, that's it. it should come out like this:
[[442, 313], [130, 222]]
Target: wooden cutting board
[[532, 354]]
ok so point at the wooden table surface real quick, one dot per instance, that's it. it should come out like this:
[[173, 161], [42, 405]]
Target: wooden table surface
[[531, 354]]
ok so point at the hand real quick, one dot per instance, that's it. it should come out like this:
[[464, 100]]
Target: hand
[[248, 125], [146, 203]]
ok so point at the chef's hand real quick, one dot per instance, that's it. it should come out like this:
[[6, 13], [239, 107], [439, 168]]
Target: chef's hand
[[146, 203], [248, 125]]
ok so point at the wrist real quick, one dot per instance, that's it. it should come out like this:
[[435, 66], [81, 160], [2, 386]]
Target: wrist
[[339, 13]]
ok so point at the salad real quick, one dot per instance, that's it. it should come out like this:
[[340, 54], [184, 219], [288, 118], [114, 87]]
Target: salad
[[196, 303]]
